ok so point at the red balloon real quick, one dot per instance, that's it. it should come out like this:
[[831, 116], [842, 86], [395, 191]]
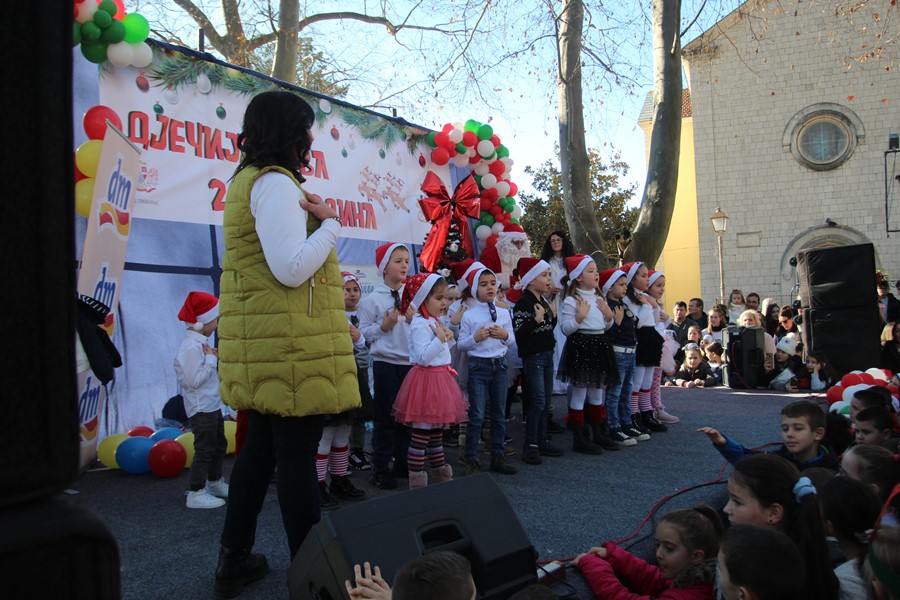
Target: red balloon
[[167, 458], [470, 138], [440, 156], [497, 168], [78, 174], [496, 210], [513, 189], [140, 431], [851, 379], [474, 160], [485, 204], [495, 140], [834, 394], [447, 128], [887, 372], [95, 118], [881, 382], [491, 195], [492, 240], [867, 379], [441, 139], [120, 10], [894, 390]]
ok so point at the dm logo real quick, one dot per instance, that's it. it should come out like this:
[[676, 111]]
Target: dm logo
[[105, 292], [113, 211], [88, 405]]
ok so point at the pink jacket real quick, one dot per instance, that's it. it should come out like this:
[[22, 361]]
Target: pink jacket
[[695, 583]]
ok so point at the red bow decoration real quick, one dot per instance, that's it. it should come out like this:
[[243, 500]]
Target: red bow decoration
[[439, 208]]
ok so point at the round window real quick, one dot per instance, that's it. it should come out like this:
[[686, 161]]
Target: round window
[[823, 140]]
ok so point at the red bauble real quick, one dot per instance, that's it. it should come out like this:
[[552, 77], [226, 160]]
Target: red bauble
[[335, 134], [421, 161]]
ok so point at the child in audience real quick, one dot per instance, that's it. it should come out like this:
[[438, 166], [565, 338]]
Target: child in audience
[[751, 318], [429, 401], [870, 397], [802, 430], [385, 329], [352, 294], [788, 369], [588, 362], [760, 564], [694, 372], [882, 562], [195, 370], [850, 509], [717, 323], [736, 306], [875, 426], [714, 354], [687, 543], [767, 491], [874, 466], [821, 373], [485, 333], [440, 575]]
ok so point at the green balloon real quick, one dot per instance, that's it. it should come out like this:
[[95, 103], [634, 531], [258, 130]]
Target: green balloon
[[94, 51], [514, 220], [76, 33], [90, 32], [471, 125], [113, 34], [109, 6], [461, 148], [485, 132], [102, 19], [477, 181], [429, 139], [487, 219], [136, 28], [510, 206], [502, 151]]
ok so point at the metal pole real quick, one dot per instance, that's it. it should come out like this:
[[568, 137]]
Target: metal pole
[[721, 273]]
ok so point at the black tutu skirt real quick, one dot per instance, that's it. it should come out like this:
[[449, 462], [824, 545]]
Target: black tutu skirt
[[364, 413], [588, 361], [649, 347]]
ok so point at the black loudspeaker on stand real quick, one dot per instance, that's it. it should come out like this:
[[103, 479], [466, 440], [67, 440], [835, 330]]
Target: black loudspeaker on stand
[[849, 337], [744, 357], [470, 516]]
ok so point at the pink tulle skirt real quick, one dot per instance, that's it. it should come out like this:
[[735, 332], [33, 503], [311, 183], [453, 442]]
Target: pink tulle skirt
[[430, 395]]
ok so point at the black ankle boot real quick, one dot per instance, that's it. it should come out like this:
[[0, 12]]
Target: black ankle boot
[[637, 422], [581, 442], [652, 423], [601, 437], [236, 569]]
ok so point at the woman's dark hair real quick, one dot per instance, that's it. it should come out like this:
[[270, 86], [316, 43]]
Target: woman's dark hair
[[878, 467], [700, 528], [827, 372], [765, 562], [851, 506], [567, 248], [771, 480], [276, 132], [716, 348]]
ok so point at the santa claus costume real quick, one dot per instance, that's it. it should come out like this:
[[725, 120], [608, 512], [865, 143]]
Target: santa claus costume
[[502, 258]]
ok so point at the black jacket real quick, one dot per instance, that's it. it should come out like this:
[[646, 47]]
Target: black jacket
[[533, 338]]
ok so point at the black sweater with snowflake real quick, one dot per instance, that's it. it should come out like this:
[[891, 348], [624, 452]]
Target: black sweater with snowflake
[[533, 337]]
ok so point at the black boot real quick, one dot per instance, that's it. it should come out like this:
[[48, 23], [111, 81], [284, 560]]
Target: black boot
[[638, 423], [236, 569], [326, 500], [652, 423], [601, 437], [581, 441]]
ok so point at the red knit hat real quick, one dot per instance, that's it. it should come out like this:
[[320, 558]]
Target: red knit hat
[[575, 265], [416, 289], [609, 277], [631, 270], [529, 268], [199, 309], [383, 254]]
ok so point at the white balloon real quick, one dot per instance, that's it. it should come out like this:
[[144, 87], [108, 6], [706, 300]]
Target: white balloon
[[490, 159], [481, 169], [508, 162], [86, 11], [143, 54], [855, 372], [460, 161], [517, 212], [502, 188], [497, 228], [455, 136], [837, 406], [459, 126], [119, 54], [848, 392], [488, 181], [483, 232], [485, 148], [877, 373]]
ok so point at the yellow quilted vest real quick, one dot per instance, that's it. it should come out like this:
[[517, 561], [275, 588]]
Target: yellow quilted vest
[[282, 350]]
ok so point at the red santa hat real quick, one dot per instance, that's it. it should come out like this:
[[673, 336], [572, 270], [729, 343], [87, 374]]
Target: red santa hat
[[609, 277], [383, 254], [461, 270], [514, 231], [416, 289], [528, 269], [490, 258], [348, 276], [474, 275], [514, 293], [631, 270], [199, 309], [654, 275], [575, 265]]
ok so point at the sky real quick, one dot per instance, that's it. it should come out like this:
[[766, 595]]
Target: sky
[[521, 99]]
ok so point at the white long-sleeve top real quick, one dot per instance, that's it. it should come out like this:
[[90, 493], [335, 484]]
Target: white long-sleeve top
[[477, 317], [425, 349], [281, 226], [645, 314], [197, 375], [594, 319], [391, 346]]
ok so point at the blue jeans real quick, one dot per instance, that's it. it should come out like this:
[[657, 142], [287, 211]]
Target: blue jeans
[[537, 377], [389, 438], [487, 381], [618, 396]]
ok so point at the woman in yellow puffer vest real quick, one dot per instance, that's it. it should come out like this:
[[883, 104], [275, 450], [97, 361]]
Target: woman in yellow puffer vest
[[285, 354]]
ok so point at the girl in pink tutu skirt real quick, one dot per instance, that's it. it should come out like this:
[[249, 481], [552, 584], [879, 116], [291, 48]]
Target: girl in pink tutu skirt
[[429, 400]]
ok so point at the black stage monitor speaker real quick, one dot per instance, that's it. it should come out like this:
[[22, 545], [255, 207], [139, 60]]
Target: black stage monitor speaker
[[837, 277], [744, 357], [850, 337], [470, 516]]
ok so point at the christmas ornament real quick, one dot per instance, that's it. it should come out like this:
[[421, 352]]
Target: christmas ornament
[[141, 82], [446, 214], [170, 95], [421, 161], [325, 106], [344, 152], [335, 134], [381, 153], [204, 85], [220, 111], [157, 108]]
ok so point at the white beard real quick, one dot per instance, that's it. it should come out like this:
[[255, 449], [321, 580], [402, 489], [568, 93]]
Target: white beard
[[509, 254]]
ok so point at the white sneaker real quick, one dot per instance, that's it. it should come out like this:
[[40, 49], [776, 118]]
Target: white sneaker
[[219, 488], [665, 417], [201, 499]]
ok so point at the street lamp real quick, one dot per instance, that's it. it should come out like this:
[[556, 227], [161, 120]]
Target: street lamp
[[720, 224]]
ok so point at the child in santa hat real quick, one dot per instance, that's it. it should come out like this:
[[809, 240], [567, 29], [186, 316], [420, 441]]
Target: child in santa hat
[[429, 401], [385, 328], [352, 295], [196, 372]]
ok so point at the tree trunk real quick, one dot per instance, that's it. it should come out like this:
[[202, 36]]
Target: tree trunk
[[573, 157], [285, 65], [658, 202]]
